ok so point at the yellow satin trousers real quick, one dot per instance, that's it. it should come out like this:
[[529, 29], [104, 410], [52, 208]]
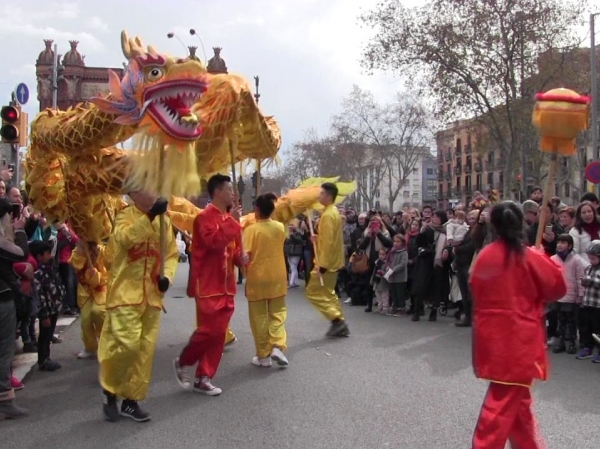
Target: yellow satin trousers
[[126, 350], [267, 322], [92, 319], [229, 335], [323, 297]]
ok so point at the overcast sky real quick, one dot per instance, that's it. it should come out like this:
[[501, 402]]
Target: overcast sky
[[306, 52]]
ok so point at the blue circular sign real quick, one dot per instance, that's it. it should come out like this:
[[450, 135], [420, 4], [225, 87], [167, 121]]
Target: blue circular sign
[[592, 172], [22, 93]]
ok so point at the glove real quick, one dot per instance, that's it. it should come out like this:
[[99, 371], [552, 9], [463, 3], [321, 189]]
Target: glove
[[322, 270], [163, 283], [158, 208]]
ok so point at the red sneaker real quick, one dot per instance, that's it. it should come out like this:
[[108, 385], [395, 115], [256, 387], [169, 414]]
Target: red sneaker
[[16, 384]]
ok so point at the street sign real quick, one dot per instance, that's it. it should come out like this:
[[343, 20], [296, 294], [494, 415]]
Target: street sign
[[22, 93], [592, 172]]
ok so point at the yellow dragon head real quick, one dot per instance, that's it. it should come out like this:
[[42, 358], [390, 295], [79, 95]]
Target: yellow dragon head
[[157, 93]]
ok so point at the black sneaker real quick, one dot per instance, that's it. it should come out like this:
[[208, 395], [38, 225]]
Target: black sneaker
[[30, 347], [109, 407], [572, 348], [49, 365], [338, 329], [131, 409]]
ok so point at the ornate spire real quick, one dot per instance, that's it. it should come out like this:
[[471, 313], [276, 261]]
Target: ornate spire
[[193, 56], [216, 64], [47, 55]]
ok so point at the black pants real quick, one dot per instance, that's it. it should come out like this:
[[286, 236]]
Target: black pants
[[566, 316], [552, 320], [45, 339], [398, 295], [589, 323], [8, 323], [69, 280], [462, 275]]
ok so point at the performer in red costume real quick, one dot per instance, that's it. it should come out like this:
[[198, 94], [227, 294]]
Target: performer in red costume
[[216, 248], [511, 285]]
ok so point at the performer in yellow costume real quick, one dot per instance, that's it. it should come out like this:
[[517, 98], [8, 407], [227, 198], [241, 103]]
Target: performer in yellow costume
[[329, 258], [134, 303], [92, 276], [183, 213], [266, 283]]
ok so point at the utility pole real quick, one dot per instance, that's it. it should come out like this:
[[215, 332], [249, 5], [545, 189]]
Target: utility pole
[[56, 77], [258, 162], [594, 92], [523, 158]]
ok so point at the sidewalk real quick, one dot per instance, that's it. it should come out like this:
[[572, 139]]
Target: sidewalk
[[23, 362]]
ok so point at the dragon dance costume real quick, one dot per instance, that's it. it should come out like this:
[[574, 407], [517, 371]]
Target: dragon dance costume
[[330, 257], [266, 287], [91, 295], [134, 304], [216, 248], [509, 341]]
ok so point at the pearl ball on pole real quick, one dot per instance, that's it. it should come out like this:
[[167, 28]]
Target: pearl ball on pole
[[172, 35]]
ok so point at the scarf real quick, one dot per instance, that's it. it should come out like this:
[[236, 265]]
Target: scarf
[[593, 229], [563, 254], [409, 235]]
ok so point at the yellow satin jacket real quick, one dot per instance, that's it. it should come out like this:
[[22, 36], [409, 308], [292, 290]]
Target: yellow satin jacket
[[182, 213], [266, 276], [92, 283], [133, 259], [330, 240]]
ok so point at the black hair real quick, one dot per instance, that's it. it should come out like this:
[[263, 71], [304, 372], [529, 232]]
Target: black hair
[[216, 182], [331, 189], [427, 207], [39, 247], [536, 189], [565, 238], [441, 214], [589, 196], [265, 204], [24, 198], [507, 220], [5, 207]]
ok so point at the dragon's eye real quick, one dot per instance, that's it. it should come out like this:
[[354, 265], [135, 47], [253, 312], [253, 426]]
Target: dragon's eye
[[154, 73]]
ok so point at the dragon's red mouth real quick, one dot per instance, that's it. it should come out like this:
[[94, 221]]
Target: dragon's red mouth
[[170, 103]]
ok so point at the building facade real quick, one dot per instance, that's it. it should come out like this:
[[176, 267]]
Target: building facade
[[77, 82], [429, 180]]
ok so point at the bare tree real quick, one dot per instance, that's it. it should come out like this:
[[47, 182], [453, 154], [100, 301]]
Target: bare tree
[[474, 57], [408, 123]]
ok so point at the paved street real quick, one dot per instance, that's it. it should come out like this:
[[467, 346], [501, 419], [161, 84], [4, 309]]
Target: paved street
[[392, 384]]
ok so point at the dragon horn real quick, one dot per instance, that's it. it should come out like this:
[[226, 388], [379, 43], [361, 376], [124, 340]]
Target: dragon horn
[[131, 47]]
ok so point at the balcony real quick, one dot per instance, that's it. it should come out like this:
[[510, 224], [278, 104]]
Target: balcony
[[448, 176], [440, 175], [458, 150], [500, 164], [456, 191], [468, 149], [467, 168], [457, 170], [478, 167], [448, 157], [490, 166], [467, 190]]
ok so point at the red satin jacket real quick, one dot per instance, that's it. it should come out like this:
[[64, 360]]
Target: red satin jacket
[[216, 248], [509, 301]]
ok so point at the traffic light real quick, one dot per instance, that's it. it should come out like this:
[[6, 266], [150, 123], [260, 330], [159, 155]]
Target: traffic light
[[14, 126]]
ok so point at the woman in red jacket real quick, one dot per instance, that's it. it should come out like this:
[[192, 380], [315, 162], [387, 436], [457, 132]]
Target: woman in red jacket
[[511, 285]]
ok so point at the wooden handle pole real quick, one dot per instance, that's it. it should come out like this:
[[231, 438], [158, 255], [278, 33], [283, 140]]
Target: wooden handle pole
[[545, 210]]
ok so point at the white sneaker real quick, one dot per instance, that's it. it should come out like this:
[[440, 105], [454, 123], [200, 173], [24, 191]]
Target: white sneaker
[[279, 357], [204, 386], [264, 363], [348, 301], [182, 375], [228, 346], [597, 338], [552, 341], [86, 354]]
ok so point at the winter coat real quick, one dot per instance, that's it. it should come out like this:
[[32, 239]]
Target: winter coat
[[509, 300], [581, 240], [398, 263], [573, 269]]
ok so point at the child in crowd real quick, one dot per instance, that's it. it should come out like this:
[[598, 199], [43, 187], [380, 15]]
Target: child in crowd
[[589, 314], [380, 284], [567, 307], [396, 274], [50, 293], [456, 229]]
